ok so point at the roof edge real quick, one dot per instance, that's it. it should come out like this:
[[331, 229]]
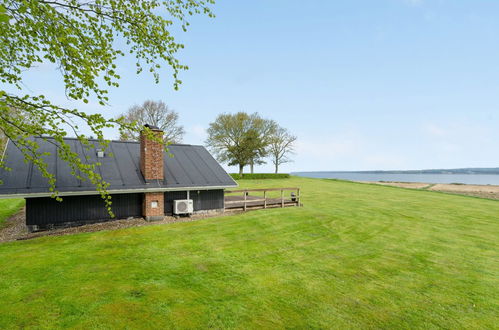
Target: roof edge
[[114, 191]]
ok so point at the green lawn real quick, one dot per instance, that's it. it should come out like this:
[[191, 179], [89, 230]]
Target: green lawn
[[8, 207], [356, 256]]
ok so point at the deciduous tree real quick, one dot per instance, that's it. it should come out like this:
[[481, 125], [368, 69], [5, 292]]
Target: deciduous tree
[[260, 142], [155, 113], [281, 147], [239, 139]]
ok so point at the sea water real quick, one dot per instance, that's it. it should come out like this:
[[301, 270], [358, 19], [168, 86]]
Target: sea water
[[483, 179]]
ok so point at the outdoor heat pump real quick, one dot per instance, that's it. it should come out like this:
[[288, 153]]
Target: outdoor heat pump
[[183, 206]]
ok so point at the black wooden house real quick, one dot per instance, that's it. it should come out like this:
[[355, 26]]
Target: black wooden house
[[144, 182]]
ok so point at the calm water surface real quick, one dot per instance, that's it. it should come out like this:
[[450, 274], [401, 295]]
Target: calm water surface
[[492, 179]]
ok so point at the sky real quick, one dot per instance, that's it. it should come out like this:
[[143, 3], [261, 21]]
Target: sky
[[364, 85]]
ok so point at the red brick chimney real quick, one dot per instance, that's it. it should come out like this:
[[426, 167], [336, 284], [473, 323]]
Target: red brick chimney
[[151, 166], [151, 155]]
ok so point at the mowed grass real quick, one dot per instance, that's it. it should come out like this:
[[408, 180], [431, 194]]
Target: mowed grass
[[355, 256], [7, 208]]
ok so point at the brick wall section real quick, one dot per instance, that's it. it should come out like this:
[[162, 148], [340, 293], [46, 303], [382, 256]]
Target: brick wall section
[[151, 157], [148, 211], [151, 166]]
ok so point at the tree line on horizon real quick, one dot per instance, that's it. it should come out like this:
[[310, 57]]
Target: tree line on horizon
[[239, 139]]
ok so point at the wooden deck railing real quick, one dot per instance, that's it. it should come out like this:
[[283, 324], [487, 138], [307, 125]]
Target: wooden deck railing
[[295, 200]]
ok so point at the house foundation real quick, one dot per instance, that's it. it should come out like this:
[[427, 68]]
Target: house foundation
[[153, 206]]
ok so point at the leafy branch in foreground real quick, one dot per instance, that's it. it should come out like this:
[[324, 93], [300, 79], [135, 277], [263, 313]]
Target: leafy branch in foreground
[[84, 39]]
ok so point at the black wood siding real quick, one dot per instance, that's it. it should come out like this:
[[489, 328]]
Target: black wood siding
[[202, 199], [207, 199], [170, 196], [45, 211]]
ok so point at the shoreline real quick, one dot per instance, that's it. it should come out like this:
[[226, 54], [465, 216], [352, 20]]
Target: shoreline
[[476, 190]]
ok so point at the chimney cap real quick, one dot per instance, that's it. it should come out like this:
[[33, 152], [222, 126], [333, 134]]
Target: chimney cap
[[152, 127]]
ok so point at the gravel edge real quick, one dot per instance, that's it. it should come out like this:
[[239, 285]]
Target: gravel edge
[[16, 230]]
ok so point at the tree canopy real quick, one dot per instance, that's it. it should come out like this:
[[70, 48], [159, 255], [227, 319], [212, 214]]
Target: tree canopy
[[260, 138], [155, 113], [84, 39], [240, 139]]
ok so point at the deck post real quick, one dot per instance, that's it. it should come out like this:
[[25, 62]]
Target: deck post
[[245, 194], [265, 199], [282, 198], [298, 197]]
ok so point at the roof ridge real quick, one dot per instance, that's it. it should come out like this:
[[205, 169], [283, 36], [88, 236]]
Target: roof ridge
[[118, 141]]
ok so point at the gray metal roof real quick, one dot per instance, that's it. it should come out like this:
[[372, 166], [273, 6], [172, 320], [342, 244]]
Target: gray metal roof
[[190, 167]]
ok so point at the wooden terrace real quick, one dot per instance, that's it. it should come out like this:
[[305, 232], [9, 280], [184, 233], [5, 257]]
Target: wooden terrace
[[246, 199]]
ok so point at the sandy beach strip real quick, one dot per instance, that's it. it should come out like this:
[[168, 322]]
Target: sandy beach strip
[[484, 191]]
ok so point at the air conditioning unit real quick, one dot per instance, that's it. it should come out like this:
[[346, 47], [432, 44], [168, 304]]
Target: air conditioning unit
[[183, 206]]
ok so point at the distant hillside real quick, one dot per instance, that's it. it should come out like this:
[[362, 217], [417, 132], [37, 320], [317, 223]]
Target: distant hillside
[[492, 170]]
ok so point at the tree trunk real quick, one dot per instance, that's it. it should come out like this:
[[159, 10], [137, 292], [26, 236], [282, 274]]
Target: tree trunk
[[276, 168], [251, 166], [241, 166]]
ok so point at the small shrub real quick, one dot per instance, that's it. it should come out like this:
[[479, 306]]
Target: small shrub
[[259, 176]]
